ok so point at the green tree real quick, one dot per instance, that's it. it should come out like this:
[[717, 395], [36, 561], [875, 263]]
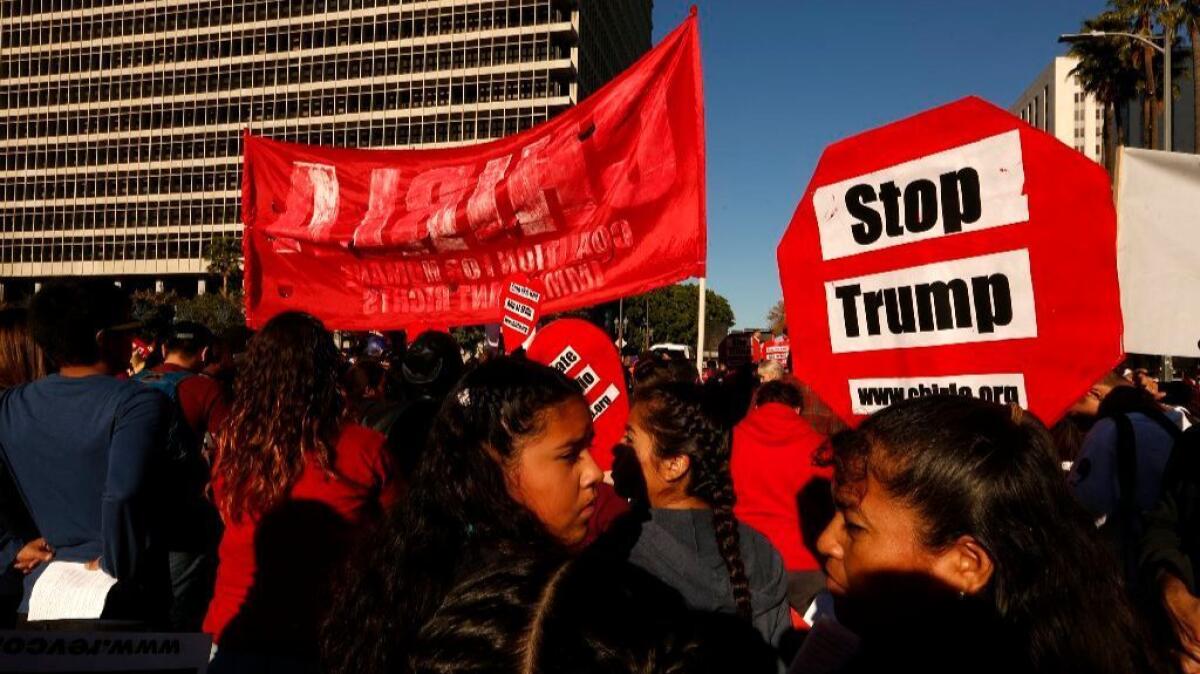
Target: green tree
[[777, 318], [1148, 18], [225, 259], [1185, 14], [1106, 72], [671, 317], [218, 312], [154, 310]]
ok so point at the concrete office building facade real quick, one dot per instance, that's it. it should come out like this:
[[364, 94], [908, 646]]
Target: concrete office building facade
[[121, 122], [1056, 104]]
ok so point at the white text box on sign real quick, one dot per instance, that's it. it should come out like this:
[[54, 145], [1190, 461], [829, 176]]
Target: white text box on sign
[[964, 189]]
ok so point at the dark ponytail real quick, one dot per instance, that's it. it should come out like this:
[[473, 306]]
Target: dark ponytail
[[681, 426]]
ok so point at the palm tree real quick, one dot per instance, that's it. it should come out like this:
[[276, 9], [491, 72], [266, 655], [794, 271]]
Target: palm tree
[[1145, 17], [225, 259], [1105, 71], [1186, 14]]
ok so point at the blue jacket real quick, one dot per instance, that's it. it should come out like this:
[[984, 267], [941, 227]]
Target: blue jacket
[[82, 453]]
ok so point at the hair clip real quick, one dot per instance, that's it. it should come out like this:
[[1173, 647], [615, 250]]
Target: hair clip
[[464, 397]]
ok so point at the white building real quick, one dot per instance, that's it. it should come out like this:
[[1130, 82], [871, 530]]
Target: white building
[[1057, 104]]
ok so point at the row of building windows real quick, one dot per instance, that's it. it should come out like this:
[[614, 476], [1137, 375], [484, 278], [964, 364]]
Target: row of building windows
[[95, 249], [281, 114], [79, 151], [92, 216], [32, 186], [106, 184], [34, 10], [233, 18], [296, 69], [173, 54], [247, 84]]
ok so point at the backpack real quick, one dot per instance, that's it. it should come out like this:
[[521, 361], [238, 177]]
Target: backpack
[[185, 470], [1125, 529]]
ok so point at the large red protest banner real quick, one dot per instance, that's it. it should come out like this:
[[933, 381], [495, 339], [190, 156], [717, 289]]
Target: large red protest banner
[[603, 201], [959, 251]]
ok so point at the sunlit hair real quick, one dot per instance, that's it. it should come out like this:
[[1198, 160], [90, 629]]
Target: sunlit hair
[[287, 412], [21, 359], [970, 467]]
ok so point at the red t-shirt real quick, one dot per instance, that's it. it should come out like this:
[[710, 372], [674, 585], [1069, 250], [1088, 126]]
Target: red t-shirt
[[201, 400], [304, 539], [772, 461]]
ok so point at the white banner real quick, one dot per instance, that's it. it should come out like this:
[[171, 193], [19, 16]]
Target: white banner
[[1158, 251]]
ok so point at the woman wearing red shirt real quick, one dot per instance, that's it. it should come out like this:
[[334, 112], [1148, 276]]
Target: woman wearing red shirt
[[293, 479]]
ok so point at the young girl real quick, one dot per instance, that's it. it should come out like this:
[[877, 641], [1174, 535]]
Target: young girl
[[692, 541], [507, 470], [957, 547], [292, 480]]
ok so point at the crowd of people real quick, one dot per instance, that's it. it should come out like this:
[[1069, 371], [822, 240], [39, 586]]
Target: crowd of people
[[372, 512]]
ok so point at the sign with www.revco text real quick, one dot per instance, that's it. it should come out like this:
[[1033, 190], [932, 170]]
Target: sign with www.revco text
[[960, 252], [104, 652]]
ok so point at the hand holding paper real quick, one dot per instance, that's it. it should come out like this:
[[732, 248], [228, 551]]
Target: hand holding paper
[[70, 590]]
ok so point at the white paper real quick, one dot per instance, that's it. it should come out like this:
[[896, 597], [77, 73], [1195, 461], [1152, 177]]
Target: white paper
[[68, 590]]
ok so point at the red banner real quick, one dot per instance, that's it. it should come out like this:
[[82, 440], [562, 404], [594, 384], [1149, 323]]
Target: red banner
[[604, 201]]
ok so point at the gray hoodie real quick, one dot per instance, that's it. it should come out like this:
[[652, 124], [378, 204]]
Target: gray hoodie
[[679, 547]]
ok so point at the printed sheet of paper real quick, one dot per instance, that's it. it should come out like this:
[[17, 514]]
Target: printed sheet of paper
[[68, 590]]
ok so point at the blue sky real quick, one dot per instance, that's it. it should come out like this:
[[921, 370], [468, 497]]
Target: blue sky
[[785, 78]]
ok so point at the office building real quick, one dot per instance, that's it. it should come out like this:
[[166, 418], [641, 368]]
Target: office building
[[1056, 104], [121, 122]]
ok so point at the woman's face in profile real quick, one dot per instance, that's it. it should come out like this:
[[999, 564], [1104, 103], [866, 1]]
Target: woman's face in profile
[[554, 475], [873, 538]]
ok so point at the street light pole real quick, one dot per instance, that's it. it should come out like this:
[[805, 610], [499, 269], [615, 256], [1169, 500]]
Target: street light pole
[[1168, 95], [1168, 112], [1165, 49]]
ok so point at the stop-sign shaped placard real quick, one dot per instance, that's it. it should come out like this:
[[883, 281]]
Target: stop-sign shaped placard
[[586, 354], [959, 251]]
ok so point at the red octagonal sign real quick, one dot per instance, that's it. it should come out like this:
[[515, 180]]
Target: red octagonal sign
[[959, 251]]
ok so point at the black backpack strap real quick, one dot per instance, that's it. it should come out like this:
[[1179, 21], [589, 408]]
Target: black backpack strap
[[1126, 465], [1127, 516]]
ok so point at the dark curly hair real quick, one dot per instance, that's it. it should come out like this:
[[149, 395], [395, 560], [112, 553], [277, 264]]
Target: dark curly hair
[[676, 418], [287, 411], [971, 467], [590, 614], [458, 518]]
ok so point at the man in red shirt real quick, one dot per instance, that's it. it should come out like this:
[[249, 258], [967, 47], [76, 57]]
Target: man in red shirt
[[185, 353], [772, 469], [192, 523]]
